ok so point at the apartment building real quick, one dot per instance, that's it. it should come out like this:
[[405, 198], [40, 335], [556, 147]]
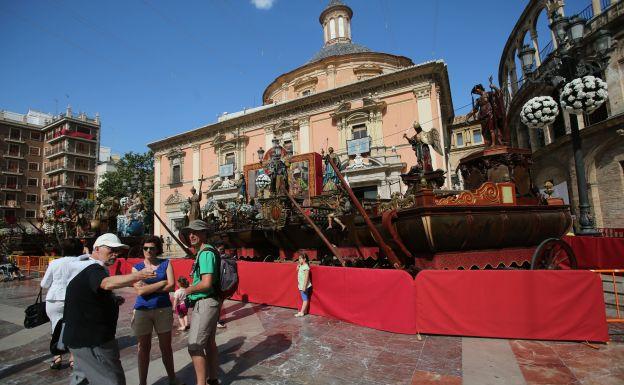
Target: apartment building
[[45, 157]]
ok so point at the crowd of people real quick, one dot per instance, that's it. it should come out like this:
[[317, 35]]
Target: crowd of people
[[80, 296]]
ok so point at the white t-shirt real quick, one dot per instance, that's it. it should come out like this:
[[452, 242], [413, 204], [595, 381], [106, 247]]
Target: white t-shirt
[[180, 295]]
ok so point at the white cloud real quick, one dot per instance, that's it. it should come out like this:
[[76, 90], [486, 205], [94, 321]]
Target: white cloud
[[263, 4]]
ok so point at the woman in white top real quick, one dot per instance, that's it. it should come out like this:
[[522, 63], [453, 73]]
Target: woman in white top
[[56, 278]]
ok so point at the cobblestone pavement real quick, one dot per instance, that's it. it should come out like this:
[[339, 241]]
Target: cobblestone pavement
[[268, 345]]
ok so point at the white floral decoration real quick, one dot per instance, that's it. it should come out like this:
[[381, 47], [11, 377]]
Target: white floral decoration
[[263, 181], [539, 111], [584, 94]]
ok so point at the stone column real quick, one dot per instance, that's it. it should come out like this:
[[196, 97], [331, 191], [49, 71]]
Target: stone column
[[375, 128], [538, 60], [596, 7], [196, 165], [157, 203], [268, 138], [331, 76], [513, 76], [304, 135]]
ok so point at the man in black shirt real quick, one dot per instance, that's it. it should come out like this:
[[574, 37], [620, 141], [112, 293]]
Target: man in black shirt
[[91, 313]]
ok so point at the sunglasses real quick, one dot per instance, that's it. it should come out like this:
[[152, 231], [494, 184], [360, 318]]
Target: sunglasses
[[150, 248]]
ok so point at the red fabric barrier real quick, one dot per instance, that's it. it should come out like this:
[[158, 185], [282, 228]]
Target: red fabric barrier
[[548, 305], [597, 252]]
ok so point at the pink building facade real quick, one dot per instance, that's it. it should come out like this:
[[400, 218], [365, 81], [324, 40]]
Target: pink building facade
[[344, 92]]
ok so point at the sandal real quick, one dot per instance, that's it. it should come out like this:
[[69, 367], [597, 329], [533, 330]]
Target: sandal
[[57, 363]]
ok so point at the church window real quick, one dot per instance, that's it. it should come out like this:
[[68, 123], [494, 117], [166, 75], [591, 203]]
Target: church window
[[341, 32], [477, 138], [359, 131], [176, 175], [332, 29], [230, 158], [459, 140]]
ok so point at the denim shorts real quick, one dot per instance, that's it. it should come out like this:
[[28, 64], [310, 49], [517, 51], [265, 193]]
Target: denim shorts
[[306, 294]]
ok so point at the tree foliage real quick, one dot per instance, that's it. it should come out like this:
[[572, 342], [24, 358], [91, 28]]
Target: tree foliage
[[135, 172]]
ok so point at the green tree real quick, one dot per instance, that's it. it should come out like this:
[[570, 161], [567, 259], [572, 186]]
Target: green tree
[[135, 172]]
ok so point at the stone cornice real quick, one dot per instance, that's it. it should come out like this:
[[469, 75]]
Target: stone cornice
[[434, 71]]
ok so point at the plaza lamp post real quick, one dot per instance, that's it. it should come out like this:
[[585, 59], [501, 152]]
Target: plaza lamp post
[[567, 62]]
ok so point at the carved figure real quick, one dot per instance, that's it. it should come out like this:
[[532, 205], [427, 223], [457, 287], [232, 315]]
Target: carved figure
[[420, 142], [330, 179], [491, 108], [195, 211]]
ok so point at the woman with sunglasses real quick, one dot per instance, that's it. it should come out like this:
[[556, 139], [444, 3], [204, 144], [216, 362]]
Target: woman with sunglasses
[[152, 309]]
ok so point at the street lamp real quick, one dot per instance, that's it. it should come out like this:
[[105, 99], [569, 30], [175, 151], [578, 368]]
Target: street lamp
[[567, 62], [260, 154]]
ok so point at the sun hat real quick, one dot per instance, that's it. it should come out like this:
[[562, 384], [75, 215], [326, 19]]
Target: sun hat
[[196, 225], [109, 240]]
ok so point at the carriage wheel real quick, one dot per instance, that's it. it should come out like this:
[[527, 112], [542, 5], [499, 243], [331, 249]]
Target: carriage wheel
[[553, 254]]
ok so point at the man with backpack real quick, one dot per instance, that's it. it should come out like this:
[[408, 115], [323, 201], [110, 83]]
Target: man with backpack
[[203, 295]]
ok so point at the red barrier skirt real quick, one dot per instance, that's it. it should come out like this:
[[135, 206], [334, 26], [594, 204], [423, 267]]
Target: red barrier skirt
[[597, 252], [548, 305]]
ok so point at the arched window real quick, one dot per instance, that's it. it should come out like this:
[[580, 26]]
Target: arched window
[[332, 29], [341, 30]]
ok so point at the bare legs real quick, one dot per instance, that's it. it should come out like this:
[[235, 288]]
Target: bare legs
[[206, 363], [183, 320], [145, 345], [304, 309]]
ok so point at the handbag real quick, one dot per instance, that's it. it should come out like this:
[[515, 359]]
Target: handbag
[[35, 314], [57, 346]]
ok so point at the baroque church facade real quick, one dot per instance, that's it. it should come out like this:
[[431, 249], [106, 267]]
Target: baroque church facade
[[346, 92]]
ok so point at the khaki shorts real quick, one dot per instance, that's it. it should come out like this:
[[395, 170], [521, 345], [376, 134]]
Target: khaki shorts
[[144, 320], [203, 324]]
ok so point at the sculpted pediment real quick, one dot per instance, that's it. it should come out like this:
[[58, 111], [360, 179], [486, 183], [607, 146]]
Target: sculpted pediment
[[175, 153], [175, 198]]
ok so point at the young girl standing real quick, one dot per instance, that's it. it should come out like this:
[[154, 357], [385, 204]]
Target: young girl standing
[[304, 284], [178, 303]]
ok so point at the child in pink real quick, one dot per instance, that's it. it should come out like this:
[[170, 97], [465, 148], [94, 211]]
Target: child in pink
[[179, 307]]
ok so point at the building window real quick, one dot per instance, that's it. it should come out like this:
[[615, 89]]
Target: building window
[[35, 135], [33, 182], [15, 134], [332, 29], [13, 166], [477, 138], [31, 198], [176, 176], [230, 158], [341, 32], [368, 193], [459, 140], [10, 199], [36, 151], [359, 131], [14, 150], [30, 213], [33, 166], [11, 182]]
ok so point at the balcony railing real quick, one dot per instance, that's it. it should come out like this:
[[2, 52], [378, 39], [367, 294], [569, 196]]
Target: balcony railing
[[10, 186], [71, 134], [13, 171], [10, 204], [13, 154], [49, 152], [70, 184], [56, 167], [13, 138]]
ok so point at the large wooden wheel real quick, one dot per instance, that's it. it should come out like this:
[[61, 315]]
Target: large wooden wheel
[[553, 254]]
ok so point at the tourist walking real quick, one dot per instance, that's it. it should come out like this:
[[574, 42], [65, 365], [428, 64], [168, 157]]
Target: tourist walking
[[55, 280], [179, 304], [206, 303], [152, 309], [91, 312], [304, 284], [168, 243]]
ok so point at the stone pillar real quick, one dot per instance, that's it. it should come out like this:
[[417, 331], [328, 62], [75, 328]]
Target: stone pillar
[[268, 139], [304, 135], [342, 133], [596, 7], [533, 139], [513, 77], [538, 60], [331, 76], [196, 165], [157, 203], [374, 127]]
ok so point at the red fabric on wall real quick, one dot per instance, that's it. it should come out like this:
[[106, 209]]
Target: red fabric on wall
[[549, 305], [597, 252]]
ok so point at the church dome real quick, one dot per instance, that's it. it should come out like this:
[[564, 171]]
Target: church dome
[[338, 49]]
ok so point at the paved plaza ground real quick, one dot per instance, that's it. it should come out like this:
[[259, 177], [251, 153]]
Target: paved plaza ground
[[264, 344]]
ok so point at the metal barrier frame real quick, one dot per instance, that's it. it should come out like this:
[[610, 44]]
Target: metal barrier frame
[[619, 318]]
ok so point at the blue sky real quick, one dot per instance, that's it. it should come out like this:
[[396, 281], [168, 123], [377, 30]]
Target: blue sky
[[154, 68]]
